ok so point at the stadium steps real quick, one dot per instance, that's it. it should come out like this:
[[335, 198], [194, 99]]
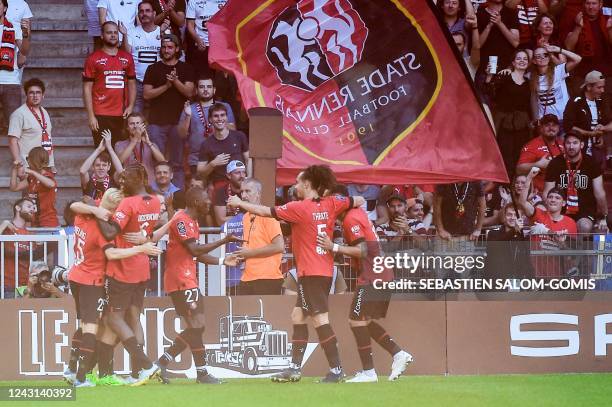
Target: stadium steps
[[59, 47]]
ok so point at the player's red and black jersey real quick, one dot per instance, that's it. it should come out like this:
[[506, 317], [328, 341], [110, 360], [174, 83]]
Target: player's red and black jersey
[[357, 228], [134, 214], [310, 218], [89, 245], [109, 74], [181, 272]]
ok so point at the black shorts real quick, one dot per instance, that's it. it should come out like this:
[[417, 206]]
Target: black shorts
[[89, 300], [123, 295], [187, 303], [261, 287], [369, 303], [313, 294]]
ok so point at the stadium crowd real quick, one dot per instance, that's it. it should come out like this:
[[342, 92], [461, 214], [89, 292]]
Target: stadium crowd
[[540, 67], [171, 154]]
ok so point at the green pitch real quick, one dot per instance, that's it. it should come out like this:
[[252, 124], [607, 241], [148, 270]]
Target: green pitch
[[515, 390]]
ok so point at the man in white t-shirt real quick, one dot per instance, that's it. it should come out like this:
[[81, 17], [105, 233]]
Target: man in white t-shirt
[[10, 77], [144, 43], [30, 124], [198, 13], [119, 11]]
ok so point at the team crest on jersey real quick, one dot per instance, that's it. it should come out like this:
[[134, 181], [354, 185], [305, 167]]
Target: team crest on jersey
[[120, 215], [182, 229], [356, 229]]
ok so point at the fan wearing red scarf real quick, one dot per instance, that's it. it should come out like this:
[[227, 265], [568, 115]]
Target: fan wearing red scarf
[[100, 180], [580, 177]]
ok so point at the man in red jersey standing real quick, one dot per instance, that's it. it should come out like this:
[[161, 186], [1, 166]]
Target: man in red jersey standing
[[109, 86], [371, 300], [127, 278], [91, 252], [311, 217], [181, 279]]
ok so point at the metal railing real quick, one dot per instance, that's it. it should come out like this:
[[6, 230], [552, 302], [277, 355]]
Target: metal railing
[[577, 256]]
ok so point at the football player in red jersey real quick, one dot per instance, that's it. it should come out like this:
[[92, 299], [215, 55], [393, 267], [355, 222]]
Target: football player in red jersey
[[369, 303], [311, 217], [109, 86], [91, 252], [181, 279], [127, 278]]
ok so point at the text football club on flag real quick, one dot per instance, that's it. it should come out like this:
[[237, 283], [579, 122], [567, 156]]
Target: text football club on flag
[[373, 89]]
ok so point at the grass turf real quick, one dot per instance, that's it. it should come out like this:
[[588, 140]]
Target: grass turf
[[509, 390]]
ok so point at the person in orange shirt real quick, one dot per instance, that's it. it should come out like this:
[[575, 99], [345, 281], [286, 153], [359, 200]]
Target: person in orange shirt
[[262, 250]]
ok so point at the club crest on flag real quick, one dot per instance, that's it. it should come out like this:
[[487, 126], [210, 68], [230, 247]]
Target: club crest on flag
[[373, 89], [314, 41]]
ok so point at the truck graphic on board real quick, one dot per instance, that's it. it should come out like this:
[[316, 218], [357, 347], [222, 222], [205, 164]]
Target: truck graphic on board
[[249, 344]]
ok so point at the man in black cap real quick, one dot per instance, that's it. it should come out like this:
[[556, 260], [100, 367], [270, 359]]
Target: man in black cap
[[589, 115], [398, 226], [167, 85], [540, 150]]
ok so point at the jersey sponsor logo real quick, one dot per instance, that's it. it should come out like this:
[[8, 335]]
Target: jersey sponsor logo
[[148, 216], [147, 56], [320, 216], [114, 81], [181, 228]]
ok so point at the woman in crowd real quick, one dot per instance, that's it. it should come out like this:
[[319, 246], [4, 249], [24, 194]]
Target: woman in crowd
[[546, 33], [519, 183], [548, 89], [38, 183], [511, 96]]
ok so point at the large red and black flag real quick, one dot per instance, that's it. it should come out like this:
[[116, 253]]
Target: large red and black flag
[[372, 88]]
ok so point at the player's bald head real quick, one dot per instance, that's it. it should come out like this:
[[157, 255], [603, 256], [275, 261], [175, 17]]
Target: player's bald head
[[196, 197]]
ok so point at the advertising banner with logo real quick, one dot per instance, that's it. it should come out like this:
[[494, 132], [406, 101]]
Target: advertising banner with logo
[[245, 337], [250, 337], [373, 89], [529, 337]]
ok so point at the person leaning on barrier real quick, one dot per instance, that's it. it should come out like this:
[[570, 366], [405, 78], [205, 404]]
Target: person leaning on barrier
[[459, 211], [262, 248], [508, 247], [40, 284], [24, 211], [398, 226]]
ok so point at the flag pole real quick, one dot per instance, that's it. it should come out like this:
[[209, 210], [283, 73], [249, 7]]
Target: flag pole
[[265, 147]]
